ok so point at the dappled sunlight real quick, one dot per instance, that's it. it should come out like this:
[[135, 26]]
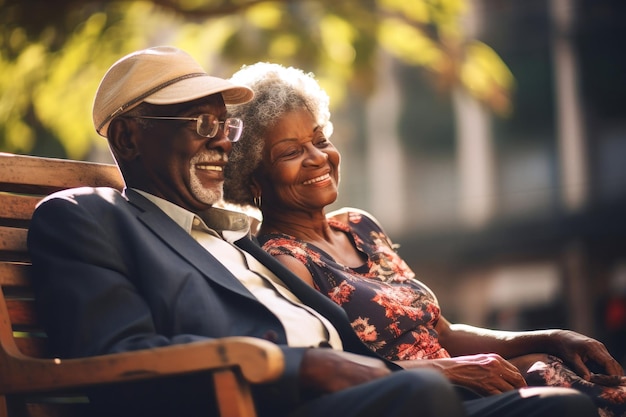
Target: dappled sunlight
[[50, 72], [485, 75]]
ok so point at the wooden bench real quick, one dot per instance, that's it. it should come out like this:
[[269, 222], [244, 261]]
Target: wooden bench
[[32, 383]]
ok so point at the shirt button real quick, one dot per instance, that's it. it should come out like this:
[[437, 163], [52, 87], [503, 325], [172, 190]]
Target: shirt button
[[196, 221]]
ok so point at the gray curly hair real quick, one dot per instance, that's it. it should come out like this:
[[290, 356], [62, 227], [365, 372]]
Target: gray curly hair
[[277, 90]]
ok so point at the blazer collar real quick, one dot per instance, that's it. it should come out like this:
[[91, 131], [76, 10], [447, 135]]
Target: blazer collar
[[183, 244]]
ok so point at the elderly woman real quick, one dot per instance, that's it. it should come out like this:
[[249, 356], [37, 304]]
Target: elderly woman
[[286, 166]]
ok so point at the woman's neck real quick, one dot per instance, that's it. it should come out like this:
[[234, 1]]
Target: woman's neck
[[306, 226], [313, 228]]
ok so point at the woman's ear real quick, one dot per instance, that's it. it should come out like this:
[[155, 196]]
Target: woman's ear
[[123, 134]]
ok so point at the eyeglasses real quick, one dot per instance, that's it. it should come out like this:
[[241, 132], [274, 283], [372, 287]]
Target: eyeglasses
[[208, 125]]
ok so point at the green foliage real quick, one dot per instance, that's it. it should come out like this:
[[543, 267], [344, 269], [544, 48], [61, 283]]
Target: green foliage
[[51, 67]]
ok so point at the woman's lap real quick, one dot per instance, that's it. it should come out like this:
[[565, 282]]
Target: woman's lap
[[547, 370]]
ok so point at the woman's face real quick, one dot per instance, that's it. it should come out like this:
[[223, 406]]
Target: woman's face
[[300, 166]]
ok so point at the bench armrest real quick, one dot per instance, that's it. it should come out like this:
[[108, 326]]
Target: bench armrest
[[258, 360], [234, 361]]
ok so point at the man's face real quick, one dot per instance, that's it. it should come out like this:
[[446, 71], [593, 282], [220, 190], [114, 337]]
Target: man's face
[[177, 163]]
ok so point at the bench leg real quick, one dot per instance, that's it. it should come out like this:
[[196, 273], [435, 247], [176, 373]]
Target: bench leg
[[234, 398]]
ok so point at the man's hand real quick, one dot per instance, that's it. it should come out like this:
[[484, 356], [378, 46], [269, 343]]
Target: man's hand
[[327, 370], [485, 374]]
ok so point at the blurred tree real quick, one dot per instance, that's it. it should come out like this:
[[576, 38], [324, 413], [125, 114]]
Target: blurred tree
[[52, 54]]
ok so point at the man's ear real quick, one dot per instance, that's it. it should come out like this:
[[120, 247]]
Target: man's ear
[[123, 134]]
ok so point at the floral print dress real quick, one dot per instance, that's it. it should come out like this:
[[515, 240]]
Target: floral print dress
[[395, 314], [392, 312]]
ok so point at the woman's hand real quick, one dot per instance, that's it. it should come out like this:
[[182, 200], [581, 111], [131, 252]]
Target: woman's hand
[[327, 370], [580, 352], [485, 374]]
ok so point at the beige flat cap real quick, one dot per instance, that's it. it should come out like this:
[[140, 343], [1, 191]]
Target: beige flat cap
[[159, 75]]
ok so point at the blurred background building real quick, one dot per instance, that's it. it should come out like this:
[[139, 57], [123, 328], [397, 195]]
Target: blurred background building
[[516, 222]]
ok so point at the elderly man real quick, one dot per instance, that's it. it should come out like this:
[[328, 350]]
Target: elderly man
[[158, 265]]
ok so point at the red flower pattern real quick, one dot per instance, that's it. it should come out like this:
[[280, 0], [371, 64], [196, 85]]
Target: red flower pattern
[[341, 293]]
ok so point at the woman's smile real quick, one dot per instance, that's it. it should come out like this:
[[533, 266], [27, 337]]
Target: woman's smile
[[319, 181]]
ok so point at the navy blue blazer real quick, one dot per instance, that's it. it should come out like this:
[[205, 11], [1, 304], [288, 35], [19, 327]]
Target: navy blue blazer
[[114, 273]]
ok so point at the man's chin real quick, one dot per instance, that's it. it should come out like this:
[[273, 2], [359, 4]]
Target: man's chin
[[208, 197], [205, 193]]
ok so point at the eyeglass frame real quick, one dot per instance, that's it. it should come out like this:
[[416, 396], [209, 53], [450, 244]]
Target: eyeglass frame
[[198, 124]]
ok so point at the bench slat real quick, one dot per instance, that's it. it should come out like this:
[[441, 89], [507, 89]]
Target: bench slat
[[18, 207], [13, 274], [13, 239], [35, 346], [19, 173], [22, 313]]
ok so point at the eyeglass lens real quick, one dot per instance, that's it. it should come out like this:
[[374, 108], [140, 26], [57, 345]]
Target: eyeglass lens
[[208, 126]]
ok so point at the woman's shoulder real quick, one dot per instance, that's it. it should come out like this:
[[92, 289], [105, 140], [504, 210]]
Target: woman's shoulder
[[282, 244], [276, 239], [353, 215]]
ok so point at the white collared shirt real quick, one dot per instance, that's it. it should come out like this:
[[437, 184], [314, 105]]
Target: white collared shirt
[[216, 229]]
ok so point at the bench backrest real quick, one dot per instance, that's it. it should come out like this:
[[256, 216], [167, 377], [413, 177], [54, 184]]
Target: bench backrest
[[24, 180]]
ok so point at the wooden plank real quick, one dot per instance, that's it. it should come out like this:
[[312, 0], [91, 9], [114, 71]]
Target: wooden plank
[[22, 312], [19, 172], [17, 207], [14, 274], [258, 360], [32, 346], [234, 396], [13, 239]]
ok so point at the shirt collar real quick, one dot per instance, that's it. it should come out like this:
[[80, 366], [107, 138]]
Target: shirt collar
[[230, 225]]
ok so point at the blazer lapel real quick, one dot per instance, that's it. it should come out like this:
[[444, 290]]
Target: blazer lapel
[[301, 289], [182, 243]]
